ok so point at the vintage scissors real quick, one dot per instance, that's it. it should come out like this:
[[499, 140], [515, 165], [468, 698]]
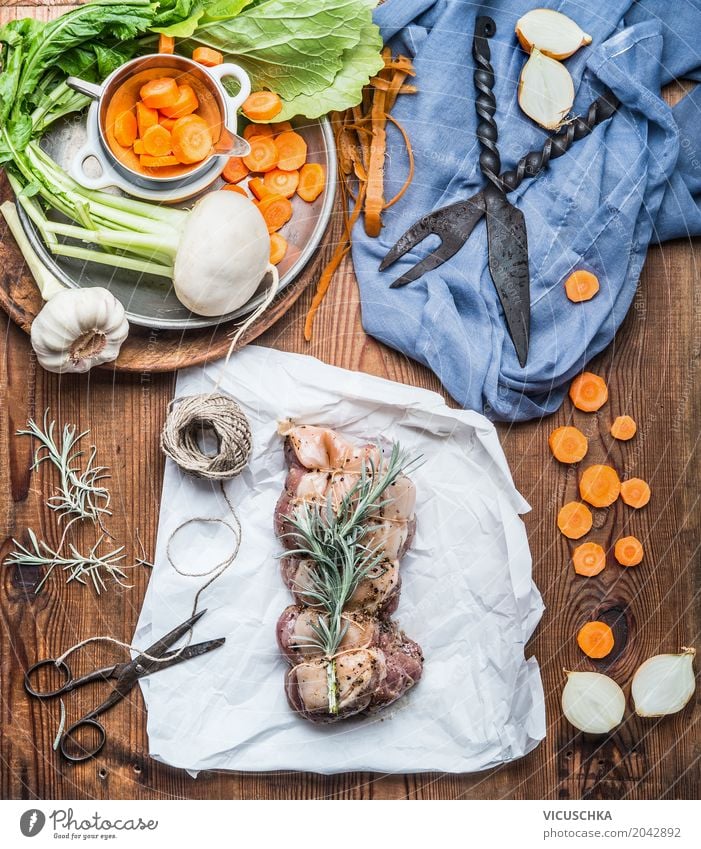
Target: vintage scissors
[[125, 677], [506, 231]]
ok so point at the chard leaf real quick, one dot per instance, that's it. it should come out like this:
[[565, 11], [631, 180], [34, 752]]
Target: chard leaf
[[359, 64], [290, 48]]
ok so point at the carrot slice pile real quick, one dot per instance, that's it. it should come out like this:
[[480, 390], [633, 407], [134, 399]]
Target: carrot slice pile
[[192, 141], [160, 93], [568, 444], [252, 130], [581, 285], [258, 188], [263, 155], [230, 187], [157, 141], [186, 104], [125, 129], [235, 170], [291, 151], [599, 485], [278, 248], [624, 428], [276, 211], [145, 117], [574, 520], [635, 492], [262, 105], [595, 639], [588, 392], [628, 551], [589, 559]]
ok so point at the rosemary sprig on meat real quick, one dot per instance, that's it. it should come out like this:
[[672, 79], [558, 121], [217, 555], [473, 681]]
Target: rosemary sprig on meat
[[332, 539]]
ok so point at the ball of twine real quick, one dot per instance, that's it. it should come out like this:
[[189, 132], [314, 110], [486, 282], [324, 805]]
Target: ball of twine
[[189, 417]]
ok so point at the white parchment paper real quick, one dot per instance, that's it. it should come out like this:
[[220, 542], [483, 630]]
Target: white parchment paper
[[467, 592]]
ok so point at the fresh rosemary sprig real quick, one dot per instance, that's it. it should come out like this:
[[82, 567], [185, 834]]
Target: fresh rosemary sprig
[[79, 492], [332, 539], [79, 567]]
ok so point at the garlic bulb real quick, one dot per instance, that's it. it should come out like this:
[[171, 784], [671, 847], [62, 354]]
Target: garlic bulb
[[592, 702], [545, 90], [553, 33], [664, 683], [78, 329]]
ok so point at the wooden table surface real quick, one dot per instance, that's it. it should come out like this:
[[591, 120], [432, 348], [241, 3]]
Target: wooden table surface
[[652, 369]]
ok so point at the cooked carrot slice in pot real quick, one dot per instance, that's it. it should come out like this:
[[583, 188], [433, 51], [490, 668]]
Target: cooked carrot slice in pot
[[282, 182], [599, 485], [158, 161], [624, 428], [125, 129], [581, 286], [186, 104], [588, 392], [263, 155], [207, 56], [568, 444], [311, 181], [589, 559], [159, 93], [595, 639], [145, 117], [635, 492], [157, 141], [168, 123], [628, 551], [292, 151], [574, 520], [278, 248], [262, 105], [192, 141]]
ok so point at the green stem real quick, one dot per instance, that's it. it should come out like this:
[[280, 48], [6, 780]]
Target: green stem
[[114, 260]]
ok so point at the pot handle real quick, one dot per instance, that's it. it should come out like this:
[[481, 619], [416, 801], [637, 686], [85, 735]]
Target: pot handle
[[220, 72], [92, 149], [90, 89]]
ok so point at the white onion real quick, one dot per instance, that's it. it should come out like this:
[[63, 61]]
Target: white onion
[[593, 702], [551, 32], [664, 683], [545, 90]]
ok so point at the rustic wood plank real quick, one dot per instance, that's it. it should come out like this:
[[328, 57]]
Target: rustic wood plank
[[652, 369]]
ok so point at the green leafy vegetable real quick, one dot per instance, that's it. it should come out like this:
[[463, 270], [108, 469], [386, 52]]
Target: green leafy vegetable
[[180, 18]]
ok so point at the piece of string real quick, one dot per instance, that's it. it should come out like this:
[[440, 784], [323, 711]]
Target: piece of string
[[188, 419]]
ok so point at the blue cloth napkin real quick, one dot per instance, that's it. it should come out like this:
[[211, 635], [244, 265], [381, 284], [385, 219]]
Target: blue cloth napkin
[[635, 180]]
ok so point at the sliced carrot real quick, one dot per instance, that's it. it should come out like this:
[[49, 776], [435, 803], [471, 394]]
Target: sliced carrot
[[581, 285], [568, 444], [207, 56], [628, 551], [623, 427], [258, 188], [282, 182], [282, 127], [589, 559], [145, 117], [263, 155], [262, 105], [125, 129], [229, 187], [278, 248], [312, 181], [599, 485], [235, 170], [186, 104], [138, 147], [157, 141], [166, 44], [292, 151], [588, 392], [192, 141], [252, 130], [276, 211], [168, 123], [595, 639], [159, 93], [574, 520], [158, 161], [635, 492]]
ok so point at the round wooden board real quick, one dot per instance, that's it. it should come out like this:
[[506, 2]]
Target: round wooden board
[[144, 350]]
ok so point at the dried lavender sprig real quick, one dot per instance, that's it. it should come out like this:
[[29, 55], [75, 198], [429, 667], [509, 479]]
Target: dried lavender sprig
[[78, 566], [80, 494]]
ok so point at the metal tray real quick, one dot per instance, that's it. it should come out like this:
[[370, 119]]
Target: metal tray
[[150, 301]]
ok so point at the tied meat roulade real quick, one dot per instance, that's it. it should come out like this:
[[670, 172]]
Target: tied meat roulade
[[345, 518]]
